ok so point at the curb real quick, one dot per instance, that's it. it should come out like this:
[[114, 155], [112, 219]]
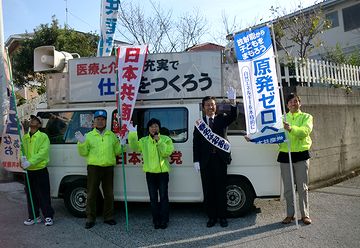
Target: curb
[[335, 180]]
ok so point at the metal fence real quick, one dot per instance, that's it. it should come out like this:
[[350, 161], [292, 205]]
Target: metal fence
[[310, 72]]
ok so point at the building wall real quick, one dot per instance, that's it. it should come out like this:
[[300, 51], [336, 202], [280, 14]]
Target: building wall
[[349, 40], [336, 135]]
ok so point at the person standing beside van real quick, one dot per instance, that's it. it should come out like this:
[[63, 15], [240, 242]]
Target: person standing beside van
[[156, 149], [100, 148], [35, 159], [299, 126], [212, 161]]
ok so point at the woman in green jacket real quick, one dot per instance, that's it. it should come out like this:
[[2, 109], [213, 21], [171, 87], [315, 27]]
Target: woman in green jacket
[[299, 126], [155, 149]]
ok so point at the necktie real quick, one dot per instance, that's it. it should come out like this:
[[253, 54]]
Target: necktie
[[211, 122]]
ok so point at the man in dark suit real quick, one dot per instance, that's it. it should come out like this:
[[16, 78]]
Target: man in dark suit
[[212, 161]]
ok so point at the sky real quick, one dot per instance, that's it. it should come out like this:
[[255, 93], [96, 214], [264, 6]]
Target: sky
[[83, 15]]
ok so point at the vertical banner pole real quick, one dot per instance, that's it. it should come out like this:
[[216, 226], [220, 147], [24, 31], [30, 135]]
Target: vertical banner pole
[[130, 66], [118, 105], [286, 133], [18, 127]]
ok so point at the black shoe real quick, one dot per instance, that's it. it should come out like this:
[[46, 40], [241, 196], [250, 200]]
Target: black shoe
[[89, 224], [156, 225], [223, 222], [163, 225], [211, 223], [110, 222]]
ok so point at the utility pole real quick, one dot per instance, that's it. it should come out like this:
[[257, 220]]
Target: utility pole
[[66, 14]]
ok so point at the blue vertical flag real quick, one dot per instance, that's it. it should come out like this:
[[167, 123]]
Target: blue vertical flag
[[259, 83], [10, 147], [109, 13]]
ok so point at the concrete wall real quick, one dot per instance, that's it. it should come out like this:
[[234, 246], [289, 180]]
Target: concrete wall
[[336, 134]]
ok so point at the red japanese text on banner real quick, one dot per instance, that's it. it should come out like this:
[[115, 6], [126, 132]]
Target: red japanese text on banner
[[130, 63]]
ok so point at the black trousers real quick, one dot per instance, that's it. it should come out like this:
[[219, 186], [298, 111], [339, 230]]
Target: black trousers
[[40, 192], [95, 176], [213, 177], [158, 186]]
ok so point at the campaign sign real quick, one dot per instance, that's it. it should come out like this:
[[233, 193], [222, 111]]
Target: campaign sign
[[259, 83]]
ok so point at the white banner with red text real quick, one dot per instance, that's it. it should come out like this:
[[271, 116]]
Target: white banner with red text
[[130, 64]]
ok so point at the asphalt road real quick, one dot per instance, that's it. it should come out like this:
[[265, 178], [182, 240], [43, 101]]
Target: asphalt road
[[335, 212]]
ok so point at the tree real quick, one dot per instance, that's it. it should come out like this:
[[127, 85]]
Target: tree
[[160, 31], [300, 28], [64, 39], [337, 55]]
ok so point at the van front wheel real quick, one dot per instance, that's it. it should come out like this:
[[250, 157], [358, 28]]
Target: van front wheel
[[75, 198], [240, 197]]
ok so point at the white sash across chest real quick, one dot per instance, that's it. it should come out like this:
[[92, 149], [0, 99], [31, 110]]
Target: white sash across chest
[[212, 137]]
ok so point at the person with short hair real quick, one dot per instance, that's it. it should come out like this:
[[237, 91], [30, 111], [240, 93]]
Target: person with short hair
[[100, 148], [299, 126], [212, 161], [156, 149], [36, 146]]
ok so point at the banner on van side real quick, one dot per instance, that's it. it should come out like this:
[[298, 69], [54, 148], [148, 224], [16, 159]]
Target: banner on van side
[[259, 85], [165, 76]]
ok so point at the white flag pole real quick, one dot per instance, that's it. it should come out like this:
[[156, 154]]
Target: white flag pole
[[286, 133]]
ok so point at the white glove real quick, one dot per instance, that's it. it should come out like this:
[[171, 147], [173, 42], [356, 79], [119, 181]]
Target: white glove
[[231, 93], [79, 137], [131, 128], [122, 141], [23, 159], [24, 162], [197, 166]]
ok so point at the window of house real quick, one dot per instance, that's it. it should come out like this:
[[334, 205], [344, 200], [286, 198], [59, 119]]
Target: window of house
[[351, 17], [333, 18], [60, 126], [174, 122]]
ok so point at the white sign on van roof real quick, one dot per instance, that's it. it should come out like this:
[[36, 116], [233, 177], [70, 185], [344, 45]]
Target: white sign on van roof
[[165, 76]]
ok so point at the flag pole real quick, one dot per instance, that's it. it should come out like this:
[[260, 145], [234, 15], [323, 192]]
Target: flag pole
[[118, 103], [286, 133], [19, 132]]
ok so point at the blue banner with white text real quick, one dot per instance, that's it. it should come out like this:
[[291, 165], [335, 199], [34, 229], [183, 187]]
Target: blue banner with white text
[[109, 12], [259, 83]]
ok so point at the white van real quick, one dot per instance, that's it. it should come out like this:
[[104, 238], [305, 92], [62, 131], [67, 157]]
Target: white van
[[171, 90], [252, 173]]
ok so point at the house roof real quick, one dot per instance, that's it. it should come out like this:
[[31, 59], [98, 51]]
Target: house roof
[[205, 47], [13, 41]]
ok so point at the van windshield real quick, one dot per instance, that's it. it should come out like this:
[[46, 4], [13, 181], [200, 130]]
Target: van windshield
[[174, 122], [60, 126]]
